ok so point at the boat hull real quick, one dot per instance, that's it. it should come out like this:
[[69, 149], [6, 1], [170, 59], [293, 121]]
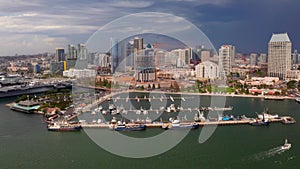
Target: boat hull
[[260, 123], [133, 128], [73, 128], [175, 127]]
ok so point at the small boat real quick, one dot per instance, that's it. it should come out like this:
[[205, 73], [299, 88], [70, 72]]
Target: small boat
[[171, 108], [176, 125], [297, 100], [268, 116], [259, 123], [115, 112], [111, 107], [286, 145], [179, 108], [104, 112], [113, 120], [63, 127], [172, 98], [145, 112], [148, 120], [138, 112], [288, 120], [124, 127], [219, 108]]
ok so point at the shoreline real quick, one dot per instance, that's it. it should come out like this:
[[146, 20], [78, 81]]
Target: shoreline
[[216, 94]]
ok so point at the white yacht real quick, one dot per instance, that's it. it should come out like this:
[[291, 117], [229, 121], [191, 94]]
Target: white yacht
[[286, 145]]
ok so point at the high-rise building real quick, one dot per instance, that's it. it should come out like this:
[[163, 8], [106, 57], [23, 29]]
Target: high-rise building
[[82, 52], [295, 57], [226, 59], [280, 52], [72, 52], [138, 43], [114, 46], [253, 59], [161, 56], [122, 52], [60, 54], [262, 59], [205, 55], [181, 56], [138, 51], [130, 54]]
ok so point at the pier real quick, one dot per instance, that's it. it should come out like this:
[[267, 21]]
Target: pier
[[160, 124]]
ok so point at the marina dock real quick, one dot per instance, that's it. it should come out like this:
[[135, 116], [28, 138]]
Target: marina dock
[[160, 124]]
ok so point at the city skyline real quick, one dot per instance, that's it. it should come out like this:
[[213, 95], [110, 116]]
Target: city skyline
[[33, 27]]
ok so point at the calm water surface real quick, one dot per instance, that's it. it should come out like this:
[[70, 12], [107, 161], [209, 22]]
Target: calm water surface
[[26, 143]]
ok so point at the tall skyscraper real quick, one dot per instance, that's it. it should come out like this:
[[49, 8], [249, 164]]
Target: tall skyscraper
[[226, 59], [72, 52], [130, 54], [138, 50], [280, 52], [121, 55], [60, 54], [82, 52], [295, 57], [114, 51], [138, 43]]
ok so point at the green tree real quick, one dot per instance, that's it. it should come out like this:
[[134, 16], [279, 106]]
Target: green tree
[[291, 84], [246, 91]]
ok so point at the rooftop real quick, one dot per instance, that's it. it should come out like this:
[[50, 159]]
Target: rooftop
[[28, 103], [281, 37]]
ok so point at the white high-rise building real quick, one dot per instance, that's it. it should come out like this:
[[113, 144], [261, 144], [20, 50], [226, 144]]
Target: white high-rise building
[[280, 51], [181, 56], [226, 59], [207, 69]]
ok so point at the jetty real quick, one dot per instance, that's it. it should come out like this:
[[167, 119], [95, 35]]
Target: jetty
[[202, 123]]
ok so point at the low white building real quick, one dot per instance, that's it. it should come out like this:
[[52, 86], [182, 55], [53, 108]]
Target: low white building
[[293, 75], [79, 73], [207, 69]]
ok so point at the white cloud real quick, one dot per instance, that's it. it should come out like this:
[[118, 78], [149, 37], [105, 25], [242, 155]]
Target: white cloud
[[215, 2], [66, 18], [131, 4], [29, 44]]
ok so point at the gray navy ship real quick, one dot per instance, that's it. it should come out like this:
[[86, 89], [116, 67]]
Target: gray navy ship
[[15, 85]]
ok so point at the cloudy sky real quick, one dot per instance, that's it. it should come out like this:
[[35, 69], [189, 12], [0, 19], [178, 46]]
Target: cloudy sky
[[35, 26]]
